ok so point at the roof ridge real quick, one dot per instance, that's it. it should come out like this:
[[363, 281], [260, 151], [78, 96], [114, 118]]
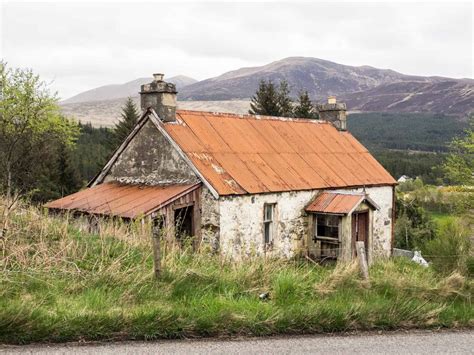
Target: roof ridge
[[255, 117]]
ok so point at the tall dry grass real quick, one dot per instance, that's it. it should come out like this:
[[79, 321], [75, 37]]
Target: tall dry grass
[[60, 283]]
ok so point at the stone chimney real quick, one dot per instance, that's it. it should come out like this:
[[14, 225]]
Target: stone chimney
[[334, 112], [161, 97]]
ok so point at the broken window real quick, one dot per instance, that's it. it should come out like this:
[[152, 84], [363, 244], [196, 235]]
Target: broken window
[[268, 222], [326, 234], [327, 226]]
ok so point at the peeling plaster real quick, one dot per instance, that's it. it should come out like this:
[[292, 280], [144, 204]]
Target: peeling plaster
[[241, 223]]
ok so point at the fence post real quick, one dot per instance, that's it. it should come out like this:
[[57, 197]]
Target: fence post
[[360, 246], [156, 239]]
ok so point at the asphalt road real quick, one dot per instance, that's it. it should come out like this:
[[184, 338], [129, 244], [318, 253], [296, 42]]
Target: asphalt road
[[412, 342]]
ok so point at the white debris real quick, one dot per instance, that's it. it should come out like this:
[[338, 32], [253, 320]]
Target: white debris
[[417, 258]]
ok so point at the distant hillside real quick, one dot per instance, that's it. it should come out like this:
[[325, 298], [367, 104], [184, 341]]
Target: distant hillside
[[364, 88], [405, 131], [117, 91], [448, 96], [319, 77], [106, 113]]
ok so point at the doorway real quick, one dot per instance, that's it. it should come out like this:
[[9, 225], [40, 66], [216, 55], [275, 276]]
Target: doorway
[[360, 230], [184, 227]]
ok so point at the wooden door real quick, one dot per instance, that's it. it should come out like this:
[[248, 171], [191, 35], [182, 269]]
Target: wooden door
[[360, 230]]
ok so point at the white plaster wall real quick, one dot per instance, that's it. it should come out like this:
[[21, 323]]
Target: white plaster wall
[[241, 222]]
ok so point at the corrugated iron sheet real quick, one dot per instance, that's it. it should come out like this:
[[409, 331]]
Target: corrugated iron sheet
[[240, 154], [330, 202], [115, 199]]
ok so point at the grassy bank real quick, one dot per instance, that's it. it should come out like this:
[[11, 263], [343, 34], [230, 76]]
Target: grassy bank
[[60, 284]]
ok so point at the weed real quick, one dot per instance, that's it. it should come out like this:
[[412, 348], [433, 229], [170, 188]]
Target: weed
[[61, 283]]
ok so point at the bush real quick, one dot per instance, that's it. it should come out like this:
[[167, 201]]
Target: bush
[[449, 251], [414, 227]]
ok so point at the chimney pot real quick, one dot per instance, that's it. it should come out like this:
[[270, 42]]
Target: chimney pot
[[332, 99], [161, 97], [158, 76]]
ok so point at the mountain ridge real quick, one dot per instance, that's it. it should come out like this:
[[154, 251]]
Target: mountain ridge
[[364, 88], [118, 91]]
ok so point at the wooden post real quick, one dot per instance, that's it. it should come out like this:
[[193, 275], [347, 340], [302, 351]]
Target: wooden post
[[156, 240], [360, 246]]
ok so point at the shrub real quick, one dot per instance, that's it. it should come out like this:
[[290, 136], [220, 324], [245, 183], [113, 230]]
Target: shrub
[[449, 251], [413, 225]]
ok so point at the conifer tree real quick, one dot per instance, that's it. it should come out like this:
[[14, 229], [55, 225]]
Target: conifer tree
[[129, 119], [304, 107], [285, 104], [265, 100], [69, 180]]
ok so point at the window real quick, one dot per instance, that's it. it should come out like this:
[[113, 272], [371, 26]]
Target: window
[[327, 226], [326, 235], [268, 222]]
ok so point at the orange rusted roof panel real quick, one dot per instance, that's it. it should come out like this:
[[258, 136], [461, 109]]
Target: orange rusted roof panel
[[330, 202], [122, 200], [239, 154]]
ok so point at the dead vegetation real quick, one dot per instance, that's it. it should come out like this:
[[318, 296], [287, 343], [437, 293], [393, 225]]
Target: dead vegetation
[[61, 283]]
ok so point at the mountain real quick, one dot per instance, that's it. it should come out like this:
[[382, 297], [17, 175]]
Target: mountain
[[454, 97], [117, 91], [364, 88], [106, 113]]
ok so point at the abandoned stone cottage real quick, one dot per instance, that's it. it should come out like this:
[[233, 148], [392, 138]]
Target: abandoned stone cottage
[[246, 184]]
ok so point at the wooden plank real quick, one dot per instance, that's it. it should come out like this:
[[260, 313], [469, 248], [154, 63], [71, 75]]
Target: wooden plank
[[364, 269], [156, 241]]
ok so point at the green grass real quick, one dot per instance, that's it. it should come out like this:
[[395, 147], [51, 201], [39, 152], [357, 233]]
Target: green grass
[[440, 217], [59, 284]]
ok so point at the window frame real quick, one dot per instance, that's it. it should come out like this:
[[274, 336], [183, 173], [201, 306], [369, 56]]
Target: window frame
[[269, 223], [317, 217]]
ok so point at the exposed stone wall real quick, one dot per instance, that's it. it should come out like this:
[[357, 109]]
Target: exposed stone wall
[[150, 159], [210, 220], [241, 224]]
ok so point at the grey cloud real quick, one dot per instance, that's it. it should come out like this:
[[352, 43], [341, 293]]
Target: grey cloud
[[81, 46]]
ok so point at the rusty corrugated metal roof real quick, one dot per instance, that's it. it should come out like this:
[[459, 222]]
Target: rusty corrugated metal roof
[[337, 203], [115, 199], [240, 154]]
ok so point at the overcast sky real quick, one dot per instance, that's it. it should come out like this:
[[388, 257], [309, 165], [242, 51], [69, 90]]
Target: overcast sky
[[79, 46]]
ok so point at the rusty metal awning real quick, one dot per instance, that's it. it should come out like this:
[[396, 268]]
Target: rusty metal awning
[[121, 200], [338, 203]]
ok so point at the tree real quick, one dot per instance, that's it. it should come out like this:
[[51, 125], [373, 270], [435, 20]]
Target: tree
[[414, 226], [130, 117], [285, 104], [31, 128], [265, 100], [92, 150], [459, 166], [270, 101], [304, 107], [68, 179]]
